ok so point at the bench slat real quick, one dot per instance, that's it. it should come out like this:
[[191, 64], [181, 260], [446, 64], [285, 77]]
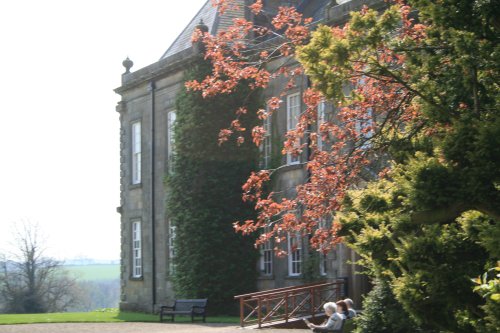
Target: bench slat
[[193, 307]]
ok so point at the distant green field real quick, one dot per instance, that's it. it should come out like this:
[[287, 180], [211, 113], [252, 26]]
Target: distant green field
[[106, 316], [94, 272]]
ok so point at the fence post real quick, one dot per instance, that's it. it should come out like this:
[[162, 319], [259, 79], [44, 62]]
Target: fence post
[[346, 286], [312, 302], [267, 305], [338, 290], [259, 313], [286, 307], [242, 312]]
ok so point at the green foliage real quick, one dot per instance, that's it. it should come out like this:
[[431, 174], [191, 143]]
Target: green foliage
[[488, 286], [310, 271], [326, 50], [96, 286], [382, 313], [425, 264], [204, 197], [438, 263], [433, 225], [96, 294]]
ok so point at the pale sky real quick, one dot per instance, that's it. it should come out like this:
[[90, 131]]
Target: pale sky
[[60, 61]]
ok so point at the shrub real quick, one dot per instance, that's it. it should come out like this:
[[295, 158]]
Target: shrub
[[382, 313]]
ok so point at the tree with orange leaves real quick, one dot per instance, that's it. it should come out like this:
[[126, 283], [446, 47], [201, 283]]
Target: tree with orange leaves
[[419, 96]]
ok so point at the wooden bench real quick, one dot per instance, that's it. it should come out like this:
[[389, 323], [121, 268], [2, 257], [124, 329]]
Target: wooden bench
[[187, 307]]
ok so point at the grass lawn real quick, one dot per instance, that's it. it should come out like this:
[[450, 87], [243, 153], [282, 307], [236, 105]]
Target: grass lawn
[[107, 316]]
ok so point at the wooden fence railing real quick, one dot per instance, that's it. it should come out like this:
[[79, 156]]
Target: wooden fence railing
[[287, 303]]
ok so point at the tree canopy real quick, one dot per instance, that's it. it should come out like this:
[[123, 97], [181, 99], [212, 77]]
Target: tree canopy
[[31, 282], [416, 92]]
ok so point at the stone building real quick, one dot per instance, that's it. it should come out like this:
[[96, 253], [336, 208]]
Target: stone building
[[147, 116]]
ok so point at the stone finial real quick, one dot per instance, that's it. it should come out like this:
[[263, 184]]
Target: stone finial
[[199, 46], [127, 63], [201, 26]]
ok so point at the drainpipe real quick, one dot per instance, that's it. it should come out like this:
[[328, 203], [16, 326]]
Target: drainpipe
[[152, 88], [308, 154], [308, 85]]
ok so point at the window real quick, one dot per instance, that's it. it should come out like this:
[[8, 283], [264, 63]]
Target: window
[[364, 128], [171, 116], [334, 254], [136, 152], [266, 257], [136, 249], [321, 119], [294, 255], [266, 144], [171, 246], [323, 264], [323, 258], [292, 115], [364, 124]]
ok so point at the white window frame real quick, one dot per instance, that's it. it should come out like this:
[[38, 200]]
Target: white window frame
[[323, 257], [136, 152], [136, 249], [295, 255], [172, 234], [292, 118], [171, 118], [266, 143], [266, 256], [321, 119], [323, 263]]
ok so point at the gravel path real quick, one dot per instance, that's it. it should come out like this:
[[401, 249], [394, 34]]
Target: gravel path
[[134, 328]]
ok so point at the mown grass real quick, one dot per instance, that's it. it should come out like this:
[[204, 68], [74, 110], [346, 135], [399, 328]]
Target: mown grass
[[107, 316]]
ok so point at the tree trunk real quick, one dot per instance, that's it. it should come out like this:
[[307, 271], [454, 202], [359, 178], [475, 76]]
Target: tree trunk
[[450, 213]]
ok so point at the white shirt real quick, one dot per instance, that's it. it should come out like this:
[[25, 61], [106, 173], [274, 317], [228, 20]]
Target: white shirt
[[334, 322]]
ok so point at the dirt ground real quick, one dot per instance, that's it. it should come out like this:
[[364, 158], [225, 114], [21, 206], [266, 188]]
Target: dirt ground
[[135, 328]]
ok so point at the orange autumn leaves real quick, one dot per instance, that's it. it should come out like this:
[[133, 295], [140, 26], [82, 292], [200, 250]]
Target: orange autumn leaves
[[378, 101]]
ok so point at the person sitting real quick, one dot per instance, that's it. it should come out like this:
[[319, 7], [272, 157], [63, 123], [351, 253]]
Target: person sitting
[[342, 308], [351, 312], [335, 319]]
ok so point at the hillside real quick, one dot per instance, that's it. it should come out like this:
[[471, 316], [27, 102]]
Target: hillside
[[94, 272]]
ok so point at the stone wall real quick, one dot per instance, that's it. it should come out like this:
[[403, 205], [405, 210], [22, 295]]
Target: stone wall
[[162, 84]]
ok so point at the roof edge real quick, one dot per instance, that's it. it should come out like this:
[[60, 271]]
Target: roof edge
[[185, 28], [155, 70]]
